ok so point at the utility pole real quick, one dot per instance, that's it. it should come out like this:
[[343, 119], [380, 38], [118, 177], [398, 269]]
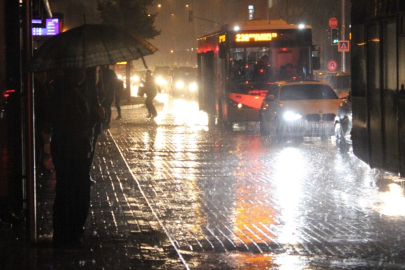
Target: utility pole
[[343, 36]]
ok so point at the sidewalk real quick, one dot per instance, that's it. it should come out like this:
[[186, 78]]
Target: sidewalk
[[121, 231]]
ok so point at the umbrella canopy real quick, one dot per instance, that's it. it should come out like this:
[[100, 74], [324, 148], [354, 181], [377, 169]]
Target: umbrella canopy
[[89, 45]]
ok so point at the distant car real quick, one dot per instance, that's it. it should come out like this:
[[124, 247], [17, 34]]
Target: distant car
[[343, 124], [184, 82], [294, 110], [162, 76]]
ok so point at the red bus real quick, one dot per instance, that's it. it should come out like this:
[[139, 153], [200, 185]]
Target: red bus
[[238, 64]]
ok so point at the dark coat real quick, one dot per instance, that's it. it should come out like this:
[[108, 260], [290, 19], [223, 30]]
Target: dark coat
[[70, 119]]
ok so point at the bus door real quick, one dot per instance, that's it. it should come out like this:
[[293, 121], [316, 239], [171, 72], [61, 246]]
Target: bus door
[[207, 93], [401, 100], [382, 94]]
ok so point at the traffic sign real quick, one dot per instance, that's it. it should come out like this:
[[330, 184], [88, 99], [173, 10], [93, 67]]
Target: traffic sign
[[332, 65], [333, 22], [343, 46]]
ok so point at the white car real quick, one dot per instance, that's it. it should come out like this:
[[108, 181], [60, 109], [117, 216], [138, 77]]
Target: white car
[[294, 110]]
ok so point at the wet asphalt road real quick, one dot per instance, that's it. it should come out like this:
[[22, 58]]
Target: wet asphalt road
[[233, 200]]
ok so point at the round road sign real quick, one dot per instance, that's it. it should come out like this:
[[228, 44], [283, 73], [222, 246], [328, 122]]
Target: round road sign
[[332, 65], [333, 22]]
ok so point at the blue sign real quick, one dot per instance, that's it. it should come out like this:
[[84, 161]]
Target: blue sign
[[343, 46]]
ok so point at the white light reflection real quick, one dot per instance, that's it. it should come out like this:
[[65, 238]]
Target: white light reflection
[[290, 169], [188, 113], [162, 98], [186, 117], [288, 262], [391, 203]]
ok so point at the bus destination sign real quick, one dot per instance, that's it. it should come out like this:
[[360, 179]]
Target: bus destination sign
[[255, 37]]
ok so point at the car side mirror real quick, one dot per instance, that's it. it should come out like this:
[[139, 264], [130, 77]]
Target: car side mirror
[[270, 98]]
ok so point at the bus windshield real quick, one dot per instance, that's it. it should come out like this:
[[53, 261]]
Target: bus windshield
[[259, 67]]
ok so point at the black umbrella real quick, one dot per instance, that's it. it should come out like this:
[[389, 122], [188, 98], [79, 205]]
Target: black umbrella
[[89, 45]]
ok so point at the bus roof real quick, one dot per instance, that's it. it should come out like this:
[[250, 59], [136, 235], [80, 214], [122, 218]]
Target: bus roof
[[257, 25], [262, 25]]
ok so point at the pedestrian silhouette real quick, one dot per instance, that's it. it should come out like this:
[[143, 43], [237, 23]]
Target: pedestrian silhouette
[[118, 95], [71, 151], [150, 88], [108, 84]]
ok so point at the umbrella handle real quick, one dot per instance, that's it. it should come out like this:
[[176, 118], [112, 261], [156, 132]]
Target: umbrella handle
[[143, 60]]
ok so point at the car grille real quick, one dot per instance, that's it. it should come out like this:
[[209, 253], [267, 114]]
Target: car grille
[[318, 117]]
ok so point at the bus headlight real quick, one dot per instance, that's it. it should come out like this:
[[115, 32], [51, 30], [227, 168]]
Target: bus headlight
[[291, 116]]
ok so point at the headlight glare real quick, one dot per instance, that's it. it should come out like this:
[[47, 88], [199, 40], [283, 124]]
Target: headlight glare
[[161, 81], [291, 116], [179, 84], [193, 87]]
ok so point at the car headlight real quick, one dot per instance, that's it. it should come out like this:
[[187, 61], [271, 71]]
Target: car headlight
[[161, 81], [135, 79], [193, 87], [291, 116], [179, 84]]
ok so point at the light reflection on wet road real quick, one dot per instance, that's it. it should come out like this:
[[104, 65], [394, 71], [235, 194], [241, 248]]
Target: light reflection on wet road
[[231, 200]]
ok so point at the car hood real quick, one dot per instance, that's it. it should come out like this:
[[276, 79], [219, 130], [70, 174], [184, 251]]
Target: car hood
[[304, 107]]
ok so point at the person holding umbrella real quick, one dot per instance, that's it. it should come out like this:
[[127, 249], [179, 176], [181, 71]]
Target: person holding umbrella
[[71, 151], [72, 52]]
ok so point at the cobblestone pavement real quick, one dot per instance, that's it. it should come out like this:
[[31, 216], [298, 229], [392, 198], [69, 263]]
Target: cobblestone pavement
[[175, 194], [230, 200]]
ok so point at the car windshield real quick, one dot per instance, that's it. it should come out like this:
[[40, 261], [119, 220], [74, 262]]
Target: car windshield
[[307, 92], [185, 73], [161, 71]]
